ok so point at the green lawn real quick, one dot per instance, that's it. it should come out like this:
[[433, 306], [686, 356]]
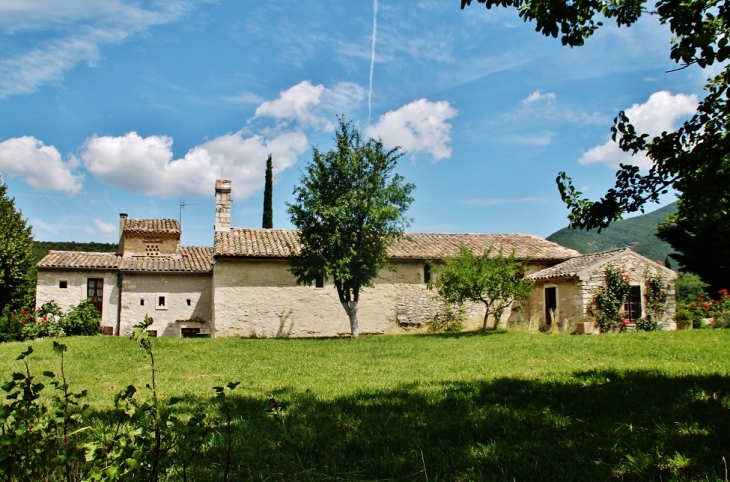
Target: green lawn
[[504, 406]]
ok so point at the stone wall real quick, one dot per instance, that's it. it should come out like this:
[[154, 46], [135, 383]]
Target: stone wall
[[150, 245], [637, 268], [187, 302], [260, 298], [48, 289], [569, 300]]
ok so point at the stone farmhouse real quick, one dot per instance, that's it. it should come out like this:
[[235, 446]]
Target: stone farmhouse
[[242, 285]]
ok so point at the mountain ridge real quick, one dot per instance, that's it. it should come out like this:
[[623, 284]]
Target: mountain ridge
[[638, 233]]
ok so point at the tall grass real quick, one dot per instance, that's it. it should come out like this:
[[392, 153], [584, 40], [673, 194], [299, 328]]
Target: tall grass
[[502, 406]]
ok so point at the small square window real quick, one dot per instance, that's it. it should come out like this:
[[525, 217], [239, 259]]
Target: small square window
[[160, 302], [63, 284], [188, 301], [141, 302], [319, 282], [152, 333]]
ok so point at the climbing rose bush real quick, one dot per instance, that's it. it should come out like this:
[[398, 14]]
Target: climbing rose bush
[[610, 298]]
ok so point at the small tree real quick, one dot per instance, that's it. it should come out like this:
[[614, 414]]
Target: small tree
[[492, 279], [268, 221], [16, 241], [349, 208]]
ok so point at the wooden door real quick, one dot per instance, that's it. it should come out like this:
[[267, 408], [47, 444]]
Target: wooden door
[[633, 304], [95, 292]]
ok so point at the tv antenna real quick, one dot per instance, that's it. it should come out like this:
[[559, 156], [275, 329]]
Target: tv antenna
[[182, 208]]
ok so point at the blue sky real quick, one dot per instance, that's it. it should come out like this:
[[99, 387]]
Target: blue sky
[[110, 106]]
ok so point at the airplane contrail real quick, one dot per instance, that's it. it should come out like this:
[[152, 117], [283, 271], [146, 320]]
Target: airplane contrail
[[372, 59]]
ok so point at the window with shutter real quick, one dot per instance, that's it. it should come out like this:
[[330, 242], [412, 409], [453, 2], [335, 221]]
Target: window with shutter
[[95, 292]]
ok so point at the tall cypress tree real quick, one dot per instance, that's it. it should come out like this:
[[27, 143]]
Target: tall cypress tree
[[268, 222]]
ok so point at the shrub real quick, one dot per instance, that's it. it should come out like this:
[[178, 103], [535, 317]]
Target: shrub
[[11, 326], [610, 299], [701, 309], [82, 319], [647, 324], [448, 320]]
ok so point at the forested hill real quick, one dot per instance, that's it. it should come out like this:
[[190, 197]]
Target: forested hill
[[637, 233], [41, 248]]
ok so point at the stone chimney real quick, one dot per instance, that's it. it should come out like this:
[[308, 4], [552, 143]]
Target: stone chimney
[[222, 205], [122, 224]]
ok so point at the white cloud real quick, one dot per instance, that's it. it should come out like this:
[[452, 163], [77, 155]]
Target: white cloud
[[146, 165], [420, 126], [541, 139], [537, 96], [74, 29], [660, 113], [243, 98], [39, 165], [107, 229], [39, 224], [294, 103], [313, 105]]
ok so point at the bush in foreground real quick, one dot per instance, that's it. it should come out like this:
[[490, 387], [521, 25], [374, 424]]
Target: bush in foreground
[[50, 321]]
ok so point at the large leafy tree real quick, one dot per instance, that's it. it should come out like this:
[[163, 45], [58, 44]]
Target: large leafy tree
[[489, 278], [349, 208], [16, 242], [693, 160]]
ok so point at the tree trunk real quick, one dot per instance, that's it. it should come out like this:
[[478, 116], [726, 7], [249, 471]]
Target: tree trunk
[[352, 314], [349, 297], [486, 317]]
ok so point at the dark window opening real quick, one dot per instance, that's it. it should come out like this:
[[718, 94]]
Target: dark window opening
[[551, 304], [107, 330], [426, 273], [319, 282], [141, 302], [152, 333], [188, 301], [63, 284], [95, 292], [632, 307], [161, 301], [189, 332]]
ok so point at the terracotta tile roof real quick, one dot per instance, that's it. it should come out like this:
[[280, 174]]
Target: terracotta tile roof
[[269, 243], [571, 267], [281, 243], [439, 246], [79, 259], [187, 259], [152, 226]]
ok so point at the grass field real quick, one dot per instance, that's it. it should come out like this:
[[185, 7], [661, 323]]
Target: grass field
[[503, 406]]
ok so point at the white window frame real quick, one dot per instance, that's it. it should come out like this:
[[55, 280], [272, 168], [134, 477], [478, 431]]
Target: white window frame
[[157, 301]]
